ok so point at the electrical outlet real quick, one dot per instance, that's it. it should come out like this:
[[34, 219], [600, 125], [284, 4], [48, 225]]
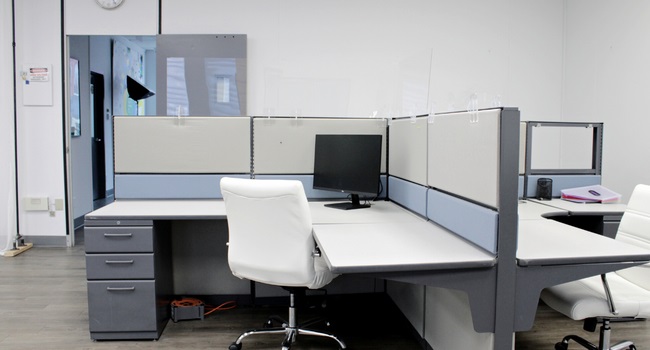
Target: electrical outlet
[[35, 204]]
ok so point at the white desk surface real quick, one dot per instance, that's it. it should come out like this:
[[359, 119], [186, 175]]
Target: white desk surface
[[396, 246], [544, 241], [136, 209], [531, 210], [152, 209], [386, 237], [584, 208], [549, 242]]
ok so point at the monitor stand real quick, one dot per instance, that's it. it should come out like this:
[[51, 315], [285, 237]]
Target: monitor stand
[[354, 204]]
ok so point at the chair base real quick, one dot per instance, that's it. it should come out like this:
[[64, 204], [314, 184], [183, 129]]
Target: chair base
[[605, 332], [289, 338], [291, 329]]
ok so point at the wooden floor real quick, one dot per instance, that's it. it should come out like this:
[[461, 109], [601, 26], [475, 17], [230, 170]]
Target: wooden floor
[[43, 306]]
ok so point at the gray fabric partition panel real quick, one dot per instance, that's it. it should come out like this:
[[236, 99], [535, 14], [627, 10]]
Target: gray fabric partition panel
[[453, 213], [170, 186], [408, 194]]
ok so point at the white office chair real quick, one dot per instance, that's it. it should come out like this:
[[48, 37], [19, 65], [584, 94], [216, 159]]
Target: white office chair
[[271, 242], [620, 294]]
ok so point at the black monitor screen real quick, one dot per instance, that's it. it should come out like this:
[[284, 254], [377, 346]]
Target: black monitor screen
[[348, 163]]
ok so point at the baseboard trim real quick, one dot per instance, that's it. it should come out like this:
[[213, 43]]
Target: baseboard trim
[[47, 241]]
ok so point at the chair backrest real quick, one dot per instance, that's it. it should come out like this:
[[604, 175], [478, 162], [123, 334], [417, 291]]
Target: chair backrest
[[270, 231], [635, 229]]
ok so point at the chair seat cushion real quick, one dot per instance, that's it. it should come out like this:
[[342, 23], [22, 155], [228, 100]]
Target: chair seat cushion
[[586, 298]]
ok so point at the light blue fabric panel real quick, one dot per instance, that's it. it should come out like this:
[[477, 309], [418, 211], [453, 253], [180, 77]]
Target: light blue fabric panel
[[408, 194], [520, 190], [475, 223], [308, 184], [561, 182], [169, 186]]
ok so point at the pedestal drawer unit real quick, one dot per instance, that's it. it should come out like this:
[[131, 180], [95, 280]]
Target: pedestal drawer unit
[[129, 273]]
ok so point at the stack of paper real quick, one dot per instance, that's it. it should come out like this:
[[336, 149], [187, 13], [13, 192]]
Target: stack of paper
[[590, 194]]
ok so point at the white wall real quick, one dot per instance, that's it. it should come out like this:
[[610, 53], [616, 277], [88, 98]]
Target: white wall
[[84, 17], [7, 159], [353, 58], [40, 128], [607, 79]]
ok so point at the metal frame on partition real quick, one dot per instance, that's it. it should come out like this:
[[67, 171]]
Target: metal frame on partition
[[597, 151], [506, 288], [597, 148]]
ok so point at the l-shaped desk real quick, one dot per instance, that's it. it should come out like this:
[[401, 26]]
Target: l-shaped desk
[[384, 241]]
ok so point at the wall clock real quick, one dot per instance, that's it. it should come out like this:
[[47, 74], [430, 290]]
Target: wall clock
[[109, 4]]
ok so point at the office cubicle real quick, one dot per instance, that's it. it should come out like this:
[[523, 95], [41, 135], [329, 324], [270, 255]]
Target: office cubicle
[[171, 157], [426, 160]]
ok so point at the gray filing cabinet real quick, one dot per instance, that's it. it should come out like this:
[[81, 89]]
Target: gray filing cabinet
[[129, 273]]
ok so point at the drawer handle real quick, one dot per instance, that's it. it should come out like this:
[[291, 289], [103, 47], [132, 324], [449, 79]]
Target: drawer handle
[[120, 289], [118, 234], [119, 262]]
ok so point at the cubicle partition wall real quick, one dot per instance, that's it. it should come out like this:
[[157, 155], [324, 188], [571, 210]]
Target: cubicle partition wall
[[170, 157], [469, 186], [284, 147], [407, 178]]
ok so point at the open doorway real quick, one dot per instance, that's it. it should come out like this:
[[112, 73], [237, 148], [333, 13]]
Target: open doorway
[[98, 148], [90, 179]]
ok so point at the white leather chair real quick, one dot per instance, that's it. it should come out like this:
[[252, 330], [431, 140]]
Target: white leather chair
[[621, 294], [271, 242]]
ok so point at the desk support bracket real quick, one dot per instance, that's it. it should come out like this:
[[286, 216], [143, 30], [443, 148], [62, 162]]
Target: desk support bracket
[[479, 284]]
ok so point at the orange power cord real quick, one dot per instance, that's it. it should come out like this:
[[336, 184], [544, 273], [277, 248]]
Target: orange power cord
[[188, 302]]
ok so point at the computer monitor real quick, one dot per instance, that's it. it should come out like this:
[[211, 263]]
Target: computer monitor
[[349, 164]]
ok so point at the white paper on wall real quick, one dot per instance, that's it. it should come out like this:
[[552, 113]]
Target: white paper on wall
[[37, 85]]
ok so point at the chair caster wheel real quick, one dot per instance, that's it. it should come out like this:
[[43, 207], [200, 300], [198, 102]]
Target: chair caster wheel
[[234, 346], [561, 346]]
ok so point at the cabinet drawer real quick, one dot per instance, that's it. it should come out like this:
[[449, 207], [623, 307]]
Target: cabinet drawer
[[119, 266], [128, 239], [122, 306]]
